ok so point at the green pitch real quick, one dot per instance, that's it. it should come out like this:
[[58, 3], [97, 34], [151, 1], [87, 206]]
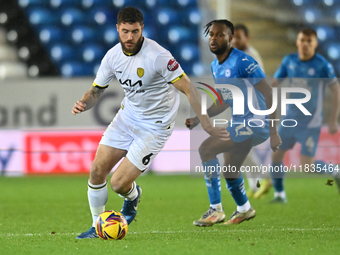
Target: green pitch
[[43, 215]]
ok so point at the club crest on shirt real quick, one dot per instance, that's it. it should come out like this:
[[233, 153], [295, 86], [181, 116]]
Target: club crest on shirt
[[140, 72], [311, 71], [227, 73]]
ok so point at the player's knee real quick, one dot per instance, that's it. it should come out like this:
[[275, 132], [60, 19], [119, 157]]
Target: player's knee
[[204, 152], [97, 174]]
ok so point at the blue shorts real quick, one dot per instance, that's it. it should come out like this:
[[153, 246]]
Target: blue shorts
[[307, 137], [240, 133]]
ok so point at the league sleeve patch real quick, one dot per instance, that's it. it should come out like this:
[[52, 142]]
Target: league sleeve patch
[[252, 68], [172, 64]]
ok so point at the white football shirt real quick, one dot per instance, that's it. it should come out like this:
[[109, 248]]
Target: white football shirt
[[146, 78]]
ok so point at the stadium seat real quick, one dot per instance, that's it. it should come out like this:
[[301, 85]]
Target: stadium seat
[[63, 52], [102, 16], [50, 34], [41, 16], [73, 16], [92, 53], [326, 33], [311, 15], [119, 4], [193, 17], [150, 32], [70, 69], [189, 53], [31, 3], [83, 34], [178, 34], [167, 17], [89, 4], [333, 51], [150, 4], [109, 35], [199, 69], [337, 15], [57, 4], [185, 3]]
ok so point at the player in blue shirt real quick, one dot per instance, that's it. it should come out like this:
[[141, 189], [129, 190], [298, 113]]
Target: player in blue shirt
[[232, 66], [312, 71]]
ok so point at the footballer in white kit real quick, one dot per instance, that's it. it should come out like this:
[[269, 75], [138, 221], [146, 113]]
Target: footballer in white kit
[[150, 101], [151, 79]]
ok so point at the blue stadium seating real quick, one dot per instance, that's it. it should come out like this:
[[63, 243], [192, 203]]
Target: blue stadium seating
[[109, 35], [62, 52], [89, 4], [41, 16], [49, 34], [70, 69], [58, 4], [102, 16], [333, 51], [326, 33], [92, 53], [83, 34], [32, 3], [81, 31], [73, 16]]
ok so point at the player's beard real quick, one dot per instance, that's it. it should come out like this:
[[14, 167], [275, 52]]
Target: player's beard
[[220, 50], [134, 49]]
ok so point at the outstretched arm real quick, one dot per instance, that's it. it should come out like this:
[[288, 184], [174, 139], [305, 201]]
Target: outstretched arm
[[184, 85], [212, 111], [88, 100]]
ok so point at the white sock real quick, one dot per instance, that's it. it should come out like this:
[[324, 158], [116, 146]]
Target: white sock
[[217, 207], [97, 195], [132, 194], [281, 194], [244, 208]]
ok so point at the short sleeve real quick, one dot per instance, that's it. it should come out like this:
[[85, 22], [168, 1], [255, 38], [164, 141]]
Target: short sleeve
[[281, 72], [330, 74], [168, 67], [250, 69], [105, 73]]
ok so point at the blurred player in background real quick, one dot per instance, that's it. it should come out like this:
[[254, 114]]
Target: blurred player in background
[[229, 66], [260, 154], [151, 79], [312, 71]]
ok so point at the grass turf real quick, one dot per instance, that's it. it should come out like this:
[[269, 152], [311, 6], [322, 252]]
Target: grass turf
[[43, 215]]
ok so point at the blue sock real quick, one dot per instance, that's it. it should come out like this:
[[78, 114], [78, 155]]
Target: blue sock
[[277, 177], [324, 167], [212, 180], [237, 190]]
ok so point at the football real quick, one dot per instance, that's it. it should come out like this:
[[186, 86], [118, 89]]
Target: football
[[111, 225]]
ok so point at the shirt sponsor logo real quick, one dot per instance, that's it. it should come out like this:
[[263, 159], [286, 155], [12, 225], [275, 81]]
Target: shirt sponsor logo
[[172, 65]]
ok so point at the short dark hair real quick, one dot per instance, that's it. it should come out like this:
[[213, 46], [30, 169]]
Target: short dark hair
[[243, 28], [308, 31], [220, 21], [130, 15]]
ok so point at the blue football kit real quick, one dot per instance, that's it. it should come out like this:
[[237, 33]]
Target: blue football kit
[[314, 74], [242, 71]]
